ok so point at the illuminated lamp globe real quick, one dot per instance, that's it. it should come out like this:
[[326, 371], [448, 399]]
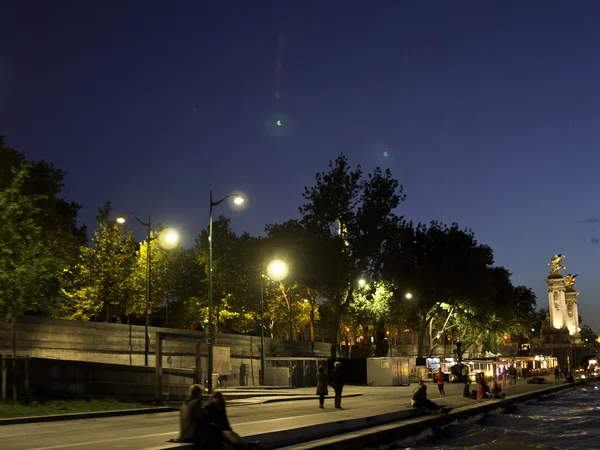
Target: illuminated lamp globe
[[121, 219], [277, 270], [408, 295], [238, 200], [169, 238], [362, 282]]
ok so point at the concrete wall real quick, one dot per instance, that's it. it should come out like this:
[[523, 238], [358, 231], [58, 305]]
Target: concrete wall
[[122, 344]]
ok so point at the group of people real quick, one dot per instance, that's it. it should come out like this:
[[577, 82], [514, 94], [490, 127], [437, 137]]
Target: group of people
[[207, 427], [493, 389]]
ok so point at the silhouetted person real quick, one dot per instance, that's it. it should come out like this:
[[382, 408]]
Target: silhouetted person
[[420, 400], [336, 381], [321, 386], [193, 424], [220, 429]]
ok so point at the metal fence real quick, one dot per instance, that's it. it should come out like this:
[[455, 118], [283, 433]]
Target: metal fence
[[292, 372]]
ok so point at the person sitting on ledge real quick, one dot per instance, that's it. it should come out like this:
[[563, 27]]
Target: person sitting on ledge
[[420, 400], [193, 419], [220, 431]]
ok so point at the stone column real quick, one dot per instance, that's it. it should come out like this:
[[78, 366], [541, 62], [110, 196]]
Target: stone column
[[556, 301], [572, 312]]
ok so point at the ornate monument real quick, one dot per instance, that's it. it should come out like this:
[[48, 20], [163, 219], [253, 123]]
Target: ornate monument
[[557, 306], [562, 299]]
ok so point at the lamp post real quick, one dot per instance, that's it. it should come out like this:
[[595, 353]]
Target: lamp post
[[238, 200], [171, 238], [277, 270]]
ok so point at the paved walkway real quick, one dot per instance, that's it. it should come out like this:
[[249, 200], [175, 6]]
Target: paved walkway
[[153, 430]]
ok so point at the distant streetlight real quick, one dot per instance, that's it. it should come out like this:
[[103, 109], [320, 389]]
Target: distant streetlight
[[277, 270], [238, 200], [171, 237], [362, 282], [408, 295]]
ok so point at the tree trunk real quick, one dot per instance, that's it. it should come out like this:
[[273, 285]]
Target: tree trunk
[[381, 349], [312, 322], [421, 342], [335, 331], [14, 336]]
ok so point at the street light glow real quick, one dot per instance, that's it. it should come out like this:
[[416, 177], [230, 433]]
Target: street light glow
[[121, 219], [362, 282], [277, 270], [408, 295], [169, 238], [238, 200]]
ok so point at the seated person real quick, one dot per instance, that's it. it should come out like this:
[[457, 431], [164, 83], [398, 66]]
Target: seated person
[[220, 429], [495, 389], [483, 390], [419, 400], [467, 389], [192, 418]]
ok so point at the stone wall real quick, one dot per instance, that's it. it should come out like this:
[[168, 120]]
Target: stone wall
[[123, 344]]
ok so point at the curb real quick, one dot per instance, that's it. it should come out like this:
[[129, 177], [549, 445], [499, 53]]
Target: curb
[[133, 412], [312, 397], [88, 415]]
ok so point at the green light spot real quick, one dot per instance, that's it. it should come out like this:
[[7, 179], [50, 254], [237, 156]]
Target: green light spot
[[279, 123], [386, 154]]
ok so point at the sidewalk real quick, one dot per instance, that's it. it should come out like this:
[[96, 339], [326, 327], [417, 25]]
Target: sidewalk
[[291, 431]]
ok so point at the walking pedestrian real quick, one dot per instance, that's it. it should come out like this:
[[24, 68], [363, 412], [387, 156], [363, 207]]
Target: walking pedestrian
[[336, 381], [440, 382], [321, 386]]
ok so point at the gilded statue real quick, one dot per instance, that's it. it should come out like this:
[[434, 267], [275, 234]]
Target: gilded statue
[[570, 282], [555, 265]]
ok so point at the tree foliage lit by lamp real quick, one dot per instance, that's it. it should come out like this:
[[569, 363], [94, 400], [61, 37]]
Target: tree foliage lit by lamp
[[169, 238], [277, 270]]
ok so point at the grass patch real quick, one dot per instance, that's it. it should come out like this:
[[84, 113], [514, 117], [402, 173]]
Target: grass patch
[[52, 407]]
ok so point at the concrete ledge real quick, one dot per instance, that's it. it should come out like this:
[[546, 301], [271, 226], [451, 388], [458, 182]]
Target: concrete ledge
[[86, 415], [386, 434], [293, 436]]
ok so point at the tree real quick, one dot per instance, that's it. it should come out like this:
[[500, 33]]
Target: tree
[[443, 267], [55, 216], [587, 334], [27, 267], [102, 283], [235, 276], [348, 218], [372, 304]]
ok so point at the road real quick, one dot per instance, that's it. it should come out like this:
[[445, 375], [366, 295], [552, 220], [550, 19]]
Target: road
[[150, 431]]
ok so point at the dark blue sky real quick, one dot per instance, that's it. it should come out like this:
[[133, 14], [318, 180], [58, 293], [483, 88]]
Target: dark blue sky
[[489, 111]]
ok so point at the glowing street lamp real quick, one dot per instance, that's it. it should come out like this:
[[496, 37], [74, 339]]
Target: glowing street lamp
[[408, 295], [277, 270], [170, 237], [237, 200], [362, 282]]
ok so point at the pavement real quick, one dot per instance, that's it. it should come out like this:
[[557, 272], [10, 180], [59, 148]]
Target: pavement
[[151, 431]]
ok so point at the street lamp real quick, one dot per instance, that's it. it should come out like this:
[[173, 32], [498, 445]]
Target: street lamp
[[171, 237], [237, 200], [277, 270], [362, 282], [408, 295]]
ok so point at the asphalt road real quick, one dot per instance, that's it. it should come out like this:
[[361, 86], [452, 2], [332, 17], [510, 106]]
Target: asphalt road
[[151, 431]]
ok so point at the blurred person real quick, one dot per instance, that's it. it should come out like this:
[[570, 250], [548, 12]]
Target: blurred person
[[220, 431], [439, 376], [336, 381], [321, 386], [420, 400]]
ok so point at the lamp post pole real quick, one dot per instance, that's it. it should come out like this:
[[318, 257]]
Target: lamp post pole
[[210, 298], [211, 335], [148, 275], [262, 333]]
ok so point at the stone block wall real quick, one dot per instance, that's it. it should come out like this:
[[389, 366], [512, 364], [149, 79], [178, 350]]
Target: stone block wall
[[122, 344]]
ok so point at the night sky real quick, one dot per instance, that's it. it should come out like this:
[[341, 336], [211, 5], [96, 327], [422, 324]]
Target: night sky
[[487, 112]]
